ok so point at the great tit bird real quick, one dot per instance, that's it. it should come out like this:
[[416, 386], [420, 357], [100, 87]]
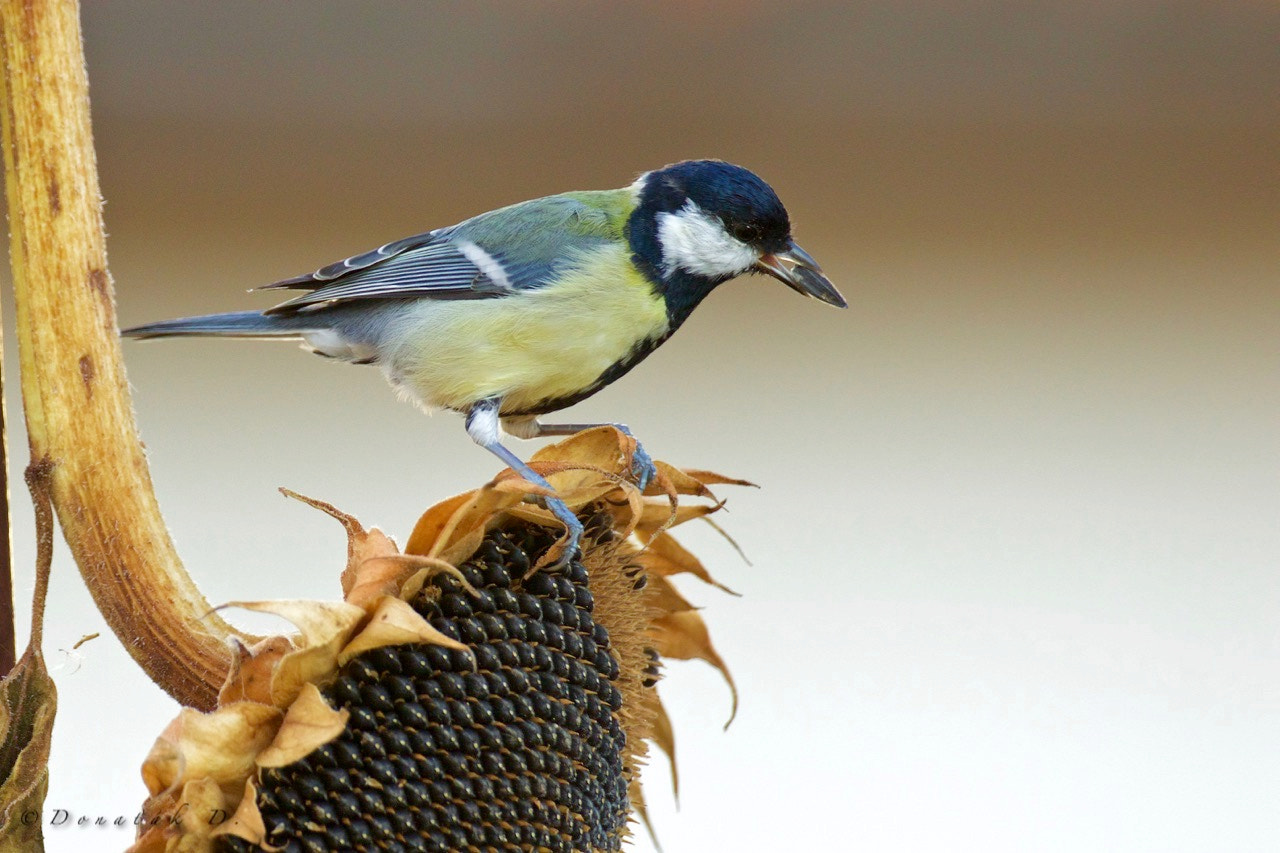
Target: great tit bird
[[531, 308]]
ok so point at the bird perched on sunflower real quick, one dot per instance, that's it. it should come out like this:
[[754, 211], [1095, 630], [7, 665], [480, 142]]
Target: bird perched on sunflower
[[528, 309]]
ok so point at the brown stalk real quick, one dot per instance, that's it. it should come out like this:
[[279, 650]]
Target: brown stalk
[[8, 644], [74, 391]]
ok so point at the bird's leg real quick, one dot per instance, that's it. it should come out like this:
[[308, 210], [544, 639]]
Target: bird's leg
[[642, 467], [482, 426]]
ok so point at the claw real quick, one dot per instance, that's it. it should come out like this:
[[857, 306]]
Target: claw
[[642, 467], [573, 527]]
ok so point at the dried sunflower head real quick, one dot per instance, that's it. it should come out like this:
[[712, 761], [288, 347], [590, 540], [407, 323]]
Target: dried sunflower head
[[459, 697]]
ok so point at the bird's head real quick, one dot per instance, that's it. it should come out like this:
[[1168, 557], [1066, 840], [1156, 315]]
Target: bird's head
[[713, 220]]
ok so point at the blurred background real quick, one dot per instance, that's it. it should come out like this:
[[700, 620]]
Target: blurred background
[[1013, 580]]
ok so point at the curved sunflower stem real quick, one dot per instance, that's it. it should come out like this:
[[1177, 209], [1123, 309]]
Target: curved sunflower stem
[[78, 411], [8, 645]]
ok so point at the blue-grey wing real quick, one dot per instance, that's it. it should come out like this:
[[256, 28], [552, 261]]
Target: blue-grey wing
[[493, 255], [324, 275], [425, 266]]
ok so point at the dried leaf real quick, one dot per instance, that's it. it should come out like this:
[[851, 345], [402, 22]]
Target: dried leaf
[[590, 468], [672, 479], [733, 543], [28, 698], [202, 805], [635, 792], [363, 545], [602, 450], [26, 724], [665, 557], [393, 623], [427, 569], [326, 627], [664, 737], [664, 597], [659, 516], [710, 478], [427, 532], [252, 670], [461, 520], [319, 621], [308, 724], [683, 636], [580, 485], [220, 745], [378, 576], [509, 482], [247, 821]]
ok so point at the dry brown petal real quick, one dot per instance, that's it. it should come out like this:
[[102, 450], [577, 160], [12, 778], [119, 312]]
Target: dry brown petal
[[673, 480], [308, 724], [683, 636], [592, 467], [462, 519], [580, 485], [363, 550], [300, 668], [203, 803], [601, 489], [247, 821], [429, 567], [664, 597], [710, 478], [665, 557], [658, 516], [252, 670], [362, 545], [724, 534], [664, 737], [219, 745], [603, 448], [426, 533], [627, 516], [535, 514], [509, 482], [318, 621], [390, 575], [326, 627], [635, 793], [659, 731], [394, 622]]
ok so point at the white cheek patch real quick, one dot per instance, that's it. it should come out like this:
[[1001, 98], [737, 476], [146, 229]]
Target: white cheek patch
[[697, 243], [486, 263]]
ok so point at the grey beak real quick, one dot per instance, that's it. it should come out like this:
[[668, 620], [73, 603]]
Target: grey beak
[[803, 275]]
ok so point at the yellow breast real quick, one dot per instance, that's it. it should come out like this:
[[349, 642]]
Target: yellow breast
[[542, 344]]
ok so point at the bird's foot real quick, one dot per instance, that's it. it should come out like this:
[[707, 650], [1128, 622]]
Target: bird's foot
[[642, 467], [643, 471], [573, 532]]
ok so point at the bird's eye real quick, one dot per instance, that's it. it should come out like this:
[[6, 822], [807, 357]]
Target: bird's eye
[[744, 232]]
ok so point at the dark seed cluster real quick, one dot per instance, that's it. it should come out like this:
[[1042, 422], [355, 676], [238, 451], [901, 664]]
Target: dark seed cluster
[[520, 749]]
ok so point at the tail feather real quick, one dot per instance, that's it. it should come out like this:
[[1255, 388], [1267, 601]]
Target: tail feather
[[237, 324]]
